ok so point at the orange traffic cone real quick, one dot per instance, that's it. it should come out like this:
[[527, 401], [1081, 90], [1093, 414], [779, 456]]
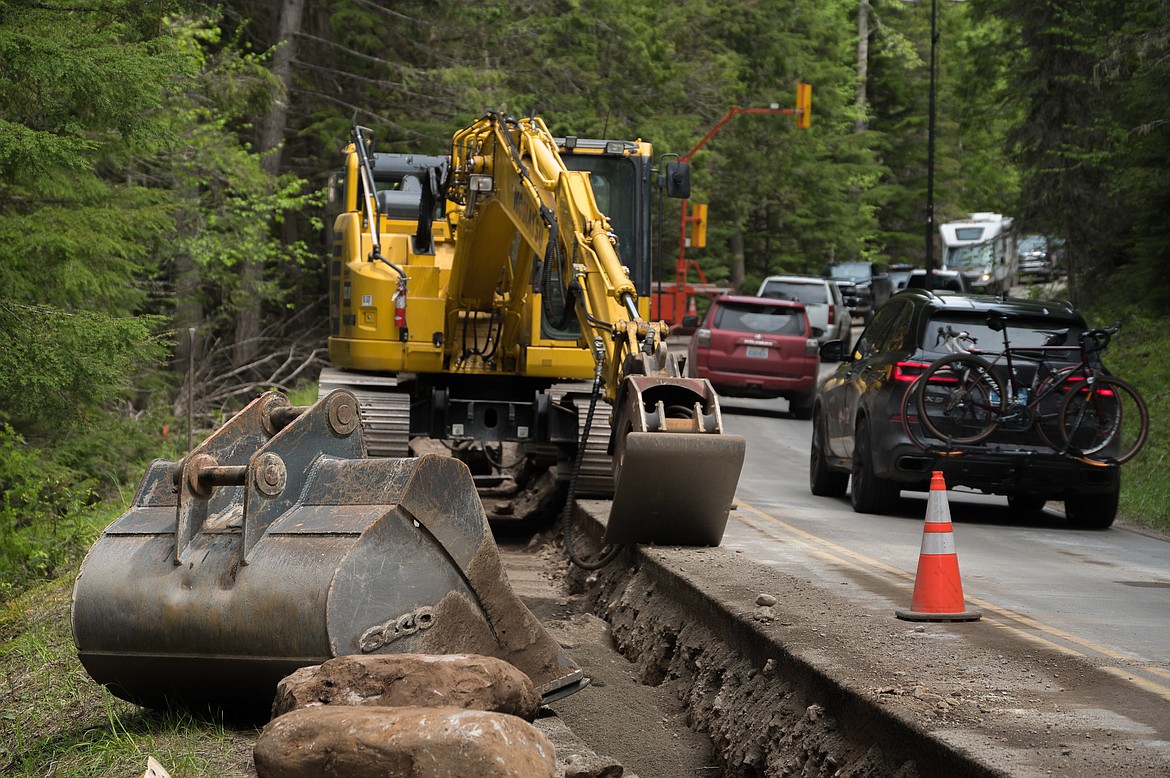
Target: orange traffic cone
[[938, 592]]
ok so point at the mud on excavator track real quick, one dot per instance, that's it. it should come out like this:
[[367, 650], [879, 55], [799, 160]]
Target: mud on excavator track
[[278, 543]]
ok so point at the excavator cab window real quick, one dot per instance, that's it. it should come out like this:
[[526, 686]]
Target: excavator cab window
[[614, 179]]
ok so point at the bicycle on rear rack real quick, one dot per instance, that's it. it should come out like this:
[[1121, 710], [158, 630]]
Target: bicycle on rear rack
[[1076, 409]]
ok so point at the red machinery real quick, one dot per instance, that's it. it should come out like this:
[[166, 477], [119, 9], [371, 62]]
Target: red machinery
[[672, 301]]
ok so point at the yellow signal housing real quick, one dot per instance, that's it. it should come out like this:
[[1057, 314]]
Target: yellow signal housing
[[699, 226], [803, 105]]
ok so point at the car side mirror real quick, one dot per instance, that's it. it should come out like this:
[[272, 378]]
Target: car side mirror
[[832, 351]]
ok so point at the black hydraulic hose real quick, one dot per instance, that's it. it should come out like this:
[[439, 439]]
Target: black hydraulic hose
[[494, 333], [610, 553], [378, 256]]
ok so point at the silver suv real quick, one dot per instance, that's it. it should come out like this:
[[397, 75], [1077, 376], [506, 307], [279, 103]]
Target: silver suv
[[827, 312]]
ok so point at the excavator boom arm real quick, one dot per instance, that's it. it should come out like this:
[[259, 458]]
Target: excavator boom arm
[[509, 179]]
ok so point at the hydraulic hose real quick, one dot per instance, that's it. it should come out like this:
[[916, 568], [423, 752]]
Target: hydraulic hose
[[609, 553]]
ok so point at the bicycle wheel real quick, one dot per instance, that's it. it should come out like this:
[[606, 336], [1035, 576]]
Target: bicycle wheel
[[1106, 420], [960, 399], [1047, 402]]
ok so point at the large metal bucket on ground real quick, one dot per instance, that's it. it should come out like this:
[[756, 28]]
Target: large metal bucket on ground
[[278, 544]]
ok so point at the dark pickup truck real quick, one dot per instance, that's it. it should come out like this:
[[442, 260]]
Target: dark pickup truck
[[865, 286]]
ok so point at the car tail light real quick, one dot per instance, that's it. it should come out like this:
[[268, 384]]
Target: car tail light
[[1083, 388], [909, 371], [703, 337], [832, 313], [811, 347]]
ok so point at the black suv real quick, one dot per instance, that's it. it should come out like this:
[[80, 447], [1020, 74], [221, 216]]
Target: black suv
[[865, 286], [858, 428]]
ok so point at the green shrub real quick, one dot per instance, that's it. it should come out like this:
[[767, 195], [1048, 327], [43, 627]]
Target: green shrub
[[1137, 355], [47, 513]]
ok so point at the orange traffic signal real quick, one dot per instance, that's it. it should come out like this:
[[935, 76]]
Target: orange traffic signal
[[698, 225], [803, 105]]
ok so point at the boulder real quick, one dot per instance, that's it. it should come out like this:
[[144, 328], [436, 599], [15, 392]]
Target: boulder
[[468, 681], [343, 742]]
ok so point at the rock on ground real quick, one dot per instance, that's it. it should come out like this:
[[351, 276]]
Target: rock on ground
[[468, 681], [345, 742]]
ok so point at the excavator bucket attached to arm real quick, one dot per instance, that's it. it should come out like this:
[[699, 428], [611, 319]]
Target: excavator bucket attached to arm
[[675, 470], [277, 544]]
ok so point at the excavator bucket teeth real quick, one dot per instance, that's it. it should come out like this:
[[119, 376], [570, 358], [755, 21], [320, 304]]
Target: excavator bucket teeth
[[675, 488], [278, 544]]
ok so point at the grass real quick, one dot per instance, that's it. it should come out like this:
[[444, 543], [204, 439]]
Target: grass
[[1138, 355], [55, 721]]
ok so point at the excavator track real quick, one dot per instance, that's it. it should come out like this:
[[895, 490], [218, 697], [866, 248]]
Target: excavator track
[[596, 476], [385, 413]]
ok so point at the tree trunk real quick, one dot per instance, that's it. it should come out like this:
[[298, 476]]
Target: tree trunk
[[859, 123], [738, 272], [188, 310], [271, 137]]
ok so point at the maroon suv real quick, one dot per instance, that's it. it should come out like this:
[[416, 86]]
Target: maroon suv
[[757, 347]]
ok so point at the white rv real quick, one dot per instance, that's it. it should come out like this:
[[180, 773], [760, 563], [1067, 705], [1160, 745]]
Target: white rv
[[982, 248]]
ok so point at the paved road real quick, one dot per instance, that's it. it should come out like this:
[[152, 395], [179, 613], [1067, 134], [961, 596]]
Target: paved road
[[1102, 595]]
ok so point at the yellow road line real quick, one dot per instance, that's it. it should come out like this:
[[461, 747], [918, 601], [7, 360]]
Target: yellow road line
[[1048, 636]]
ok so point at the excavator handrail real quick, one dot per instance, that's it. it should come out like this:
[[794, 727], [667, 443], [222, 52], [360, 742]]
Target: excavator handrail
[[370, 199]]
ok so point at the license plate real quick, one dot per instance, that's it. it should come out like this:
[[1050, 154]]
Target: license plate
[[757, 352]]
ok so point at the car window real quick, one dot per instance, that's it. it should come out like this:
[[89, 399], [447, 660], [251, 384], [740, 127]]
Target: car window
[[1023, 333], [897, 336], [874, 336], [1031, 243], [851, 271], [745, 317], [809, 294]]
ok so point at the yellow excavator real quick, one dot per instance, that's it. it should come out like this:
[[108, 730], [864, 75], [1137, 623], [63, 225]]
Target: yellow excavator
[[480, 296], [497, 284]]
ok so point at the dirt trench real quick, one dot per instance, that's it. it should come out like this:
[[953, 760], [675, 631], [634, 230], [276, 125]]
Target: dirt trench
[[765, 712], [788, 676]]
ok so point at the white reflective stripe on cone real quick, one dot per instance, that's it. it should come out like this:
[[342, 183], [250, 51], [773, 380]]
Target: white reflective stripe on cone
[[938, 543]]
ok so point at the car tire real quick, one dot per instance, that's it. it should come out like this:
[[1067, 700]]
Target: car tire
[[1092, 511], [870, 493], [1026, 503], [823, 481], [801, 407]]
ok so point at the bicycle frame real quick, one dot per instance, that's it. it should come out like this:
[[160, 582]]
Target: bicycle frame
[[1077, 410], [1022, 402], [1025, 405]]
